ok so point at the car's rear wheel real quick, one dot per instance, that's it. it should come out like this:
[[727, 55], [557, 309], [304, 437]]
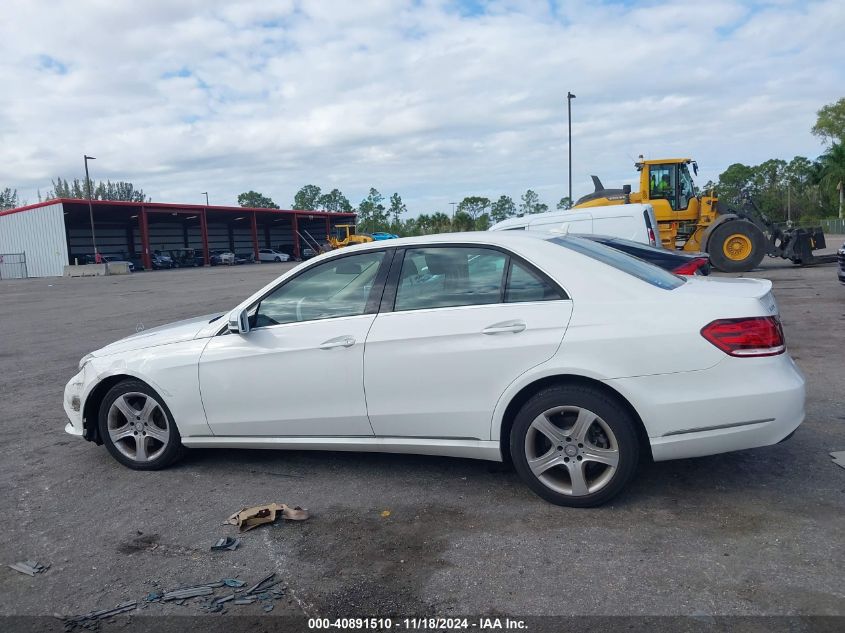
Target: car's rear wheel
[[278, 260], [137, 427], [574, 445]]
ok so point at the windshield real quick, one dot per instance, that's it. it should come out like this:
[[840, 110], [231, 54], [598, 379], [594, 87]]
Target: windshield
[[633, 266]]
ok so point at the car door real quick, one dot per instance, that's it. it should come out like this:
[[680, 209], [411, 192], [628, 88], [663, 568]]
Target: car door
[[458, 324], [299, 370]]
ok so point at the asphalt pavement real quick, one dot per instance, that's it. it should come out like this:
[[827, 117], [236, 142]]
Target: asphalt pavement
[[746, 533]]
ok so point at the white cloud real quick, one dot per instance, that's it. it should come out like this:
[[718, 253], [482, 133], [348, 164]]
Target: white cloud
[[432, 99]]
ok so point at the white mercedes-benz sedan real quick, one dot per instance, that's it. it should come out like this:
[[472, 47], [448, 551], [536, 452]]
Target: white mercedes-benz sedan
[[570, 359]]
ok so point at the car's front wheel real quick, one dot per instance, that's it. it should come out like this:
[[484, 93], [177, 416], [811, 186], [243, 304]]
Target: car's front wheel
[[574, 445], [137, 427]]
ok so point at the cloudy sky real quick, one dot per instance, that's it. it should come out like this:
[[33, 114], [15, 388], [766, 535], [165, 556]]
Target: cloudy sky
[[435, 100]]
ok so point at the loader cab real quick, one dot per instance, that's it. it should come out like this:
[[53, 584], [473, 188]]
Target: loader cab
[[669, 181], [343, 231]]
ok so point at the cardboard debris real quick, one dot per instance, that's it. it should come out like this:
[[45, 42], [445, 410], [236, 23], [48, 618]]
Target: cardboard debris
[[249, 518]]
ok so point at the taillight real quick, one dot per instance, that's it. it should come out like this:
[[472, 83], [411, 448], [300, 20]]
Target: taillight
[[690, 267], [751, 336], [651, 239]]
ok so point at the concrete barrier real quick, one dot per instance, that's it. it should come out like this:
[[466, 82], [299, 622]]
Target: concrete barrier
[[117, 268], [86, 270]]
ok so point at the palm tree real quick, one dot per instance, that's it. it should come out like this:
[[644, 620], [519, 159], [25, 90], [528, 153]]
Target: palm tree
[[833, 171]]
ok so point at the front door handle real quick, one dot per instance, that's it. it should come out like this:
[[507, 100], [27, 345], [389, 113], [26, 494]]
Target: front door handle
[[340, 341], [513, 327]]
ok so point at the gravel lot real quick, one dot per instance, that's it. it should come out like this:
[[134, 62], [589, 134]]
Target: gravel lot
[[753, 532]]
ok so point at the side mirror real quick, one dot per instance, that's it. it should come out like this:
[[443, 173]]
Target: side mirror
[[239, 322]]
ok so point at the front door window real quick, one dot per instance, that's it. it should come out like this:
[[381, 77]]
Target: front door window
[[337, 288]]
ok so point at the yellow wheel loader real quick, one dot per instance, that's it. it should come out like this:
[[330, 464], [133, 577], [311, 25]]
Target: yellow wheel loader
[[736, 239], [345, 235]]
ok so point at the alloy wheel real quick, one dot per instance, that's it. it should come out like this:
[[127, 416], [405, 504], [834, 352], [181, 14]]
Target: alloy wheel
[[571, 450], [138, 426]]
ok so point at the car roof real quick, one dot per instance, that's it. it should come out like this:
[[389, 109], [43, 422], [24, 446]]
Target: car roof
[[470, 237]]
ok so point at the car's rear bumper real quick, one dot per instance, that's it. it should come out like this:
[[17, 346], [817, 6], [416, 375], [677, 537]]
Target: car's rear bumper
[[738, 404]]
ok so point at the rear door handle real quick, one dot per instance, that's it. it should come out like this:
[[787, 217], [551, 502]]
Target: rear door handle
[[340, 341], [513, 327]]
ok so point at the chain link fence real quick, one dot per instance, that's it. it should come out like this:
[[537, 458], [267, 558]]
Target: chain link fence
[[13, 266]]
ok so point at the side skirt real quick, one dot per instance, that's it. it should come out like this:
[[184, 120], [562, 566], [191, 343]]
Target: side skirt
[[472, 449]]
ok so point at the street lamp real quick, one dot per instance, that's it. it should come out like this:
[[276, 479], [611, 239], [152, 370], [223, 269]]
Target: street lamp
[[453, 210], [90, 206], [205, 193], [569, 98]]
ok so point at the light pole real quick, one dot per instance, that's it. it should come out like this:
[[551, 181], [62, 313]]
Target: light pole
[[453, 210], [205, 193], [90, 206], [569, 98]]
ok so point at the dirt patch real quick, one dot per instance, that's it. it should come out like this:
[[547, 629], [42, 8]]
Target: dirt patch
[[368, 563]]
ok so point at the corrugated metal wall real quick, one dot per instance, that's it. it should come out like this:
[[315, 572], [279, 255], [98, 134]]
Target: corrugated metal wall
[[40, 233], [112, 239]]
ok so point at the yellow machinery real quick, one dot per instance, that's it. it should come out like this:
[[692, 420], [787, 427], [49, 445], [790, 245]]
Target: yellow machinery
[[735, 239], [345, 235]]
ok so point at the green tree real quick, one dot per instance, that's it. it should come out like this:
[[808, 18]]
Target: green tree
[[462, 221], [734, 180], [832, 172], [531, 204], [255, 200], [830, 124], [474, 206], [440, 222], [397, 208], [564, 203], [8, 198], [334, 201], [423, 224], [372, 215], [502, 209], [108, 190], [482, 222], [307, 198]]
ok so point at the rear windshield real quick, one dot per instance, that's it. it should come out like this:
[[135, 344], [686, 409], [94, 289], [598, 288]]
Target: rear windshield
[[621, 261]]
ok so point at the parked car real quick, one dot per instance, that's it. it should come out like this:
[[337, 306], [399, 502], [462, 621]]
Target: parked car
[[383, 236], [553, 353], [307, 252], [841, 259], [678, 262], [187, 258], [221, 257], [160, 260], [271, 255], [629, 221]]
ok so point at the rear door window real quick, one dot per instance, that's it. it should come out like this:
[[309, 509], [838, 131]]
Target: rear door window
[[526, 285], [446, 277]]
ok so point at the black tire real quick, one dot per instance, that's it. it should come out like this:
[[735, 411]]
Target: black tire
[[172, 450], [743, 228], [610, 415], [278, 260]]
